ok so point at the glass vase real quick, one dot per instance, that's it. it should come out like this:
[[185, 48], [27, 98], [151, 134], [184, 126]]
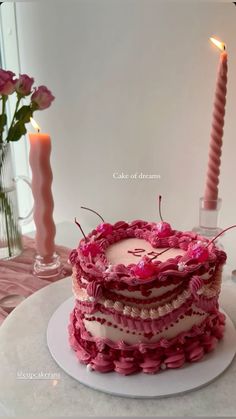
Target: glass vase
[[209, 218], [10, 229]]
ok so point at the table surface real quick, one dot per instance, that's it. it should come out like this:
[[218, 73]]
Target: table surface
[[23, 349]]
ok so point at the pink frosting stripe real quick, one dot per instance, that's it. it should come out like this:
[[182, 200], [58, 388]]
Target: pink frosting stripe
[[124, 298], [209, 322], [150, 325]]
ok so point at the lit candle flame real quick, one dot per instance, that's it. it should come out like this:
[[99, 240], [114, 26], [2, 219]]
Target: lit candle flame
[[219, 44], [34, 124]]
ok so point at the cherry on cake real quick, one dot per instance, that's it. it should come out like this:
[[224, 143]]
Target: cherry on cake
[[146, 298]]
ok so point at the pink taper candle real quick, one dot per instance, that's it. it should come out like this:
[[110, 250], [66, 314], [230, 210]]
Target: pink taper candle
[[40, 150], [213, 170]]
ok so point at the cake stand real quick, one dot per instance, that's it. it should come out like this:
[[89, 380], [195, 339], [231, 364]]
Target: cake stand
[[164, 384]]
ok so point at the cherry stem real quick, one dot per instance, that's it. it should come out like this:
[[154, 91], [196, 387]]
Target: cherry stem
[[222, 232], [159, 206], [158, 254], [78, 224], [95, 212], [120, 226]]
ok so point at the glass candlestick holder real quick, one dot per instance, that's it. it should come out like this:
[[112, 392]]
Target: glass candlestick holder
[[208, 218], [47, 266]]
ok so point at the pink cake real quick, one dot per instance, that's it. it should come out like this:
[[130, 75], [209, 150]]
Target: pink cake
[[146, 298]]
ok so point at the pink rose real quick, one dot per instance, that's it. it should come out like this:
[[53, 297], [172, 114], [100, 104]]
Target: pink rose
[[7, 83], [24, 85], [42, 97]]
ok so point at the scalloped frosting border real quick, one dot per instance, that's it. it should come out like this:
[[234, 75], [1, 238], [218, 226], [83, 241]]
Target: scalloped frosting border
[[97, 268]]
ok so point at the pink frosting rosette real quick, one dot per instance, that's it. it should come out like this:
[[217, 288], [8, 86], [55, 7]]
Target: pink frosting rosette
[[209, 342], [218, 331], [126, 366], [194, 351], [102, 363], [150, 366], [176, 360]]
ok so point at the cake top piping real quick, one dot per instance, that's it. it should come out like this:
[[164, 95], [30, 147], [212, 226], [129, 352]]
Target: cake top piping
[[90, 256]]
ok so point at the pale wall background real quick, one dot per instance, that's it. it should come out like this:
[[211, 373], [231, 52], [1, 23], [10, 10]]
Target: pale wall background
[[134, 83]]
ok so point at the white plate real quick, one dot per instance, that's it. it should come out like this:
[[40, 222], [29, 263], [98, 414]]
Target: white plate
[[166, 383]]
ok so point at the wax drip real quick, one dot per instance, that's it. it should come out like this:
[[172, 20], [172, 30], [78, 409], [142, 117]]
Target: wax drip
[[95, 212]]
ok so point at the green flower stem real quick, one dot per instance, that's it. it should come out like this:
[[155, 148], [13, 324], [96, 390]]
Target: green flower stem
[[7, 211], [7, 228], [14, 115], [4, 100], [12, 233]]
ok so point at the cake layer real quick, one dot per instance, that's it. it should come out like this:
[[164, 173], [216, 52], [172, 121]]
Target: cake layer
[[198, 290], [132, 324], [130, 331], [104, 355]]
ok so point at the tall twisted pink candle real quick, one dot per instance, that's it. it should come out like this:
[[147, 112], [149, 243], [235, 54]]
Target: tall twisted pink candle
[[213, 171], [40, 150]]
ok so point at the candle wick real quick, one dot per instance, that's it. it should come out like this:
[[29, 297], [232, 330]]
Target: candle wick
[[38, 130]]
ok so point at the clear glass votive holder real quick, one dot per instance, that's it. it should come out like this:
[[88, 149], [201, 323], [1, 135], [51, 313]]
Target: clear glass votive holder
[[47, 266], [209, 218]]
